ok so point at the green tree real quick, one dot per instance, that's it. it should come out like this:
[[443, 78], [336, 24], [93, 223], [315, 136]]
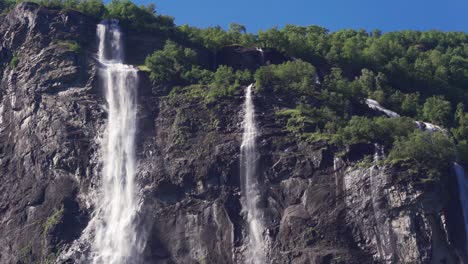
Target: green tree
[[428, 152], [293, 76], [437, 110], [93, 8], [171, 64]]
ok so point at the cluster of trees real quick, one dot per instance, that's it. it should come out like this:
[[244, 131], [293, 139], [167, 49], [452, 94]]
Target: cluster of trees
[[421, 75], [175, 65], [128, 13]]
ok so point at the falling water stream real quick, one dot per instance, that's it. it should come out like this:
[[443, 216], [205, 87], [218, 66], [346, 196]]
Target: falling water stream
[[459, 170], [463, 190], [115, 239], [250, 186]]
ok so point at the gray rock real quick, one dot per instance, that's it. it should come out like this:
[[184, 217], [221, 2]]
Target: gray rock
[[318, 208]]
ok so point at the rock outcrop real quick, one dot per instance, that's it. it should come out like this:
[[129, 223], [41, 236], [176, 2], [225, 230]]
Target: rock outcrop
[[320, 206], [240, 58]]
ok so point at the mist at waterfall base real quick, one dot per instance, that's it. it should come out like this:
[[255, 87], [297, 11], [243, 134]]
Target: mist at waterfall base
[[255, 246], [116, 239], [459, 170]]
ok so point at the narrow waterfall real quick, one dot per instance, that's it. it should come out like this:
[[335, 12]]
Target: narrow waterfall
[[463, 190], [382, 228], [459, 170], [256, 250], [115, 239], [262, 55], [373, 104]]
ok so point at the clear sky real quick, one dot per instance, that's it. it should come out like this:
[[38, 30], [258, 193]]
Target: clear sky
[[386, 15]]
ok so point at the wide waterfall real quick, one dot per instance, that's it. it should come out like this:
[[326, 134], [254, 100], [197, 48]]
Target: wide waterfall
[[256, 249], [115, 239]]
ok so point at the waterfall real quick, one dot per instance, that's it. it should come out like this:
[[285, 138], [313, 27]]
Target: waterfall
[[262, 55], [115, 232], [459, 171], [382, 226], [463, 190], [249, 185], [376, 106]]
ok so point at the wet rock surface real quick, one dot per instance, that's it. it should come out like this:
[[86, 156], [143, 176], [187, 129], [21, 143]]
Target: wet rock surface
[[320, 207]]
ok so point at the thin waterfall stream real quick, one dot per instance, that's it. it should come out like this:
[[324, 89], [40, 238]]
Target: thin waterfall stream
[[256, 249], [463, 190], [458, 169], [116, 240]]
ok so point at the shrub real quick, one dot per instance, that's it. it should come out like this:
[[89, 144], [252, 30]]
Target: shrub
[[428, 152], [72, 46], [381, 130], [137, 16], [14, 62], [171, 64], [292, 76], [225, 81], [437, 110], [53, 220], [94, 8]]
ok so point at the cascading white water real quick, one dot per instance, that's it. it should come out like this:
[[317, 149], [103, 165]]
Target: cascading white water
[[373, 104], [262, 55], [463, 190], [256, 249], [115, 239], [459, 171]]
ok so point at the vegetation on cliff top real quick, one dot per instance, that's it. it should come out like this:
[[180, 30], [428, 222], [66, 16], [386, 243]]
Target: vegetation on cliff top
[[421, 75]]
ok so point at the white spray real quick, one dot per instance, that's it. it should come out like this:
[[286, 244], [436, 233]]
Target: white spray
[[256, 249], [116, 239]]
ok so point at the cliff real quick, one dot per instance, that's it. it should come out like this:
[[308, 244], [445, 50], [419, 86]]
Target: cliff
[[322, 204]]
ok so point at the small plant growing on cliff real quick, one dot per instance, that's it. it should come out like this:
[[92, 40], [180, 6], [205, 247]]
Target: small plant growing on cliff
[[72, 46], [14, 62], [53, 220]]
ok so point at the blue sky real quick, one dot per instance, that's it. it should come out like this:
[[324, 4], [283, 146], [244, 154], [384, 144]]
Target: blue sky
[[387, 15]]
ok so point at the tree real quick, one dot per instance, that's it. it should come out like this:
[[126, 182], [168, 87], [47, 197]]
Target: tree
[[171, 64], [293, 76], [431, 152], [437, 110], [93, 8]]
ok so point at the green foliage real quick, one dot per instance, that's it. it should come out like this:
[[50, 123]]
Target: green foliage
[[137, 16], [214, 38], [72, 46], [430, 153], [25, 255], [53, 220], [304, 119], [460, 131], [6, 5], [437, 110], [381, 130], [226, 81], [144, 68], [128, 13], [293, 76], [14, 62], [171, 64], [193, 92], [94, 8]]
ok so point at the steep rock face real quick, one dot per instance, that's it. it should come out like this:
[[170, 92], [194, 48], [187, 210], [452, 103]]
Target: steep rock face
[[239, 57], [319, 207], [396, 221], [48, 121]]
